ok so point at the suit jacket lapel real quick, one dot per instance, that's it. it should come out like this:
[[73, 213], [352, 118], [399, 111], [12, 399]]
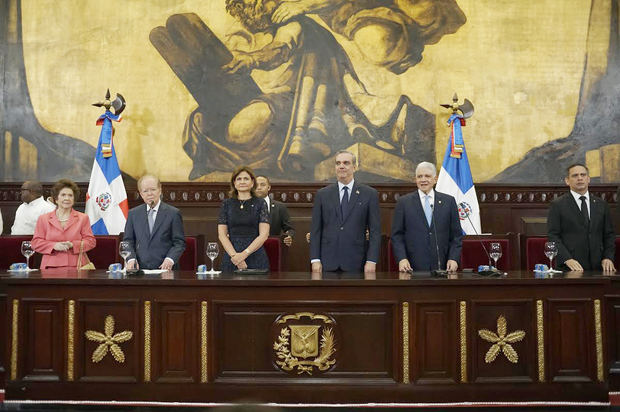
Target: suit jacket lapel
[[334, 197], [594, 210], [161, 215], [417, 206], [576, 209]]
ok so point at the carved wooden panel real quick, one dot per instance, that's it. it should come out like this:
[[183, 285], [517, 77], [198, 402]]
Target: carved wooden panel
[[174, 342], [506, 349], [94, 363], [434, 342], [41, 350], [4, 330], [362, 335], [613, 339], [571, 341]]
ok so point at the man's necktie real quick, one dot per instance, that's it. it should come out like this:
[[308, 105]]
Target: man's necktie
[[151, 220], [344, 203], [584, 210], [427, 210]]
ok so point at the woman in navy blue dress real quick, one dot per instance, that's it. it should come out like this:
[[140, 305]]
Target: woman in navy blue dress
[[243, 224]]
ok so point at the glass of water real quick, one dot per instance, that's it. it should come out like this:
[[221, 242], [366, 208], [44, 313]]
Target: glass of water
[[495, 252], [212, 251], [27, 251], [551, 251], [124, 249]]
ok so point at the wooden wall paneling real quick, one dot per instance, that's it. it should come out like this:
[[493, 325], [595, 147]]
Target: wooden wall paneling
[[41, 352], [247, 331], [174, 340], [435, 342], [519, 316], [90, 315], [570, 340], [612, 303]]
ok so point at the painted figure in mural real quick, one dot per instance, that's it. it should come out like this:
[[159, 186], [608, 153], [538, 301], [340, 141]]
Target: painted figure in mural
[[305, 114]]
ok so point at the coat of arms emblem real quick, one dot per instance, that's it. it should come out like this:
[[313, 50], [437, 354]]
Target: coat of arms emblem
[[302, 347]]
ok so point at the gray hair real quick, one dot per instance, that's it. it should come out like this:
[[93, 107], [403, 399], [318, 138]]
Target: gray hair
[[347, 152], [148, 176], [427, 166]]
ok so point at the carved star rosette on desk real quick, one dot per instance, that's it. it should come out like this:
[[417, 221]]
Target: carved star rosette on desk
[[305, 343]]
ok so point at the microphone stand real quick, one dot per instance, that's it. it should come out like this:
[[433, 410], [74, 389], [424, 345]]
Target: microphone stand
[[494, 271], [438, 272]]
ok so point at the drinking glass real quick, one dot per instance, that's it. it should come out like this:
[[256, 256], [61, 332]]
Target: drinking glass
[[212, 251], [551, 251], [124, 249], [27, 251], [495, 252]]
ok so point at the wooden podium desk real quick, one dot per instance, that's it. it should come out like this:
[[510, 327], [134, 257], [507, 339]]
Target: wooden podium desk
[[294, 337]]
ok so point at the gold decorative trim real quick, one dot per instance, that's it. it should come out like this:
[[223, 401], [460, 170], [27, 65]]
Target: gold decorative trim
[[405, 342], [15, 331], [299, 315], [147, 341], [501, 341], [108, 341], [599, 341], [463, 330], [70, 338], [203, 342], [540, 331]]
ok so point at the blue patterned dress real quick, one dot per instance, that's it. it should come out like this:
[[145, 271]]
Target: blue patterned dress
[[242, 225]]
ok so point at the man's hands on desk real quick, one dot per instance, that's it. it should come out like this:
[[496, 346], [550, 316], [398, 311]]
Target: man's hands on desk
[[575, 266], [405, 266]]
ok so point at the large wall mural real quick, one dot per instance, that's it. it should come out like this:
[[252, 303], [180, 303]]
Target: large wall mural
[[283, 85]]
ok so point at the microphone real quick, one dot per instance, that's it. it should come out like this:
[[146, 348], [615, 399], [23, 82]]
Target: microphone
[[439, 272], [493, 272]]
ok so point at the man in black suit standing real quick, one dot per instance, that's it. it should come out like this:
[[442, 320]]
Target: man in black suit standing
[[341, 214], [426, 222], [154, 230], [580, 224], [279, 219]]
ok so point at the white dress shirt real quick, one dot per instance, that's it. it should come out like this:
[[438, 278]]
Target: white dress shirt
[[341, 187], [1, 224], [27, 215], [576, 196]]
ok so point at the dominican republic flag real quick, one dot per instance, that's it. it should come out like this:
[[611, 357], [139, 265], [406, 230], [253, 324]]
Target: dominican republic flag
[[106, 200], [455, 178]]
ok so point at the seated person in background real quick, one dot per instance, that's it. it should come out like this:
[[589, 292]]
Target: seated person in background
[[60, 234], [279, 219], [243, 224], [426, 222], [154, 230], [33, 206], [580, 225]]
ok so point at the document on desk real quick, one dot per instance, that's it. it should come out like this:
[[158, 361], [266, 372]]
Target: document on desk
[[153, 271]]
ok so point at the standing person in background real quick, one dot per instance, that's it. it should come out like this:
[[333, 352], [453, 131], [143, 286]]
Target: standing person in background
[[279, 218], [154, 230], [1, 224], [341, 214], [33, 206], [61, 234], [426, 222], [243, 224], [580, 225]]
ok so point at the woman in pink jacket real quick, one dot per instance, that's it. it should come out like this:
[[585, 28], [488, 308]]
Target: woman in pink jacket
[[58, 234]]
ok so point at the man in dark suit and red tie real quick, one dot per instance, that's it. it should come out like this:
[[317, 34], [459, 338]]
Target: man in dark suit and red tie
[[426, 222], [154, 230], [279, 218], [580, 224], [341, 215]]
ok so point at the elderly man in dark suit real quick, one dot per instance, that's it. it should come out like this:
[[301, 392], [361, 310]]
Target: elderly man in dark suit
[[580, 224], [154, 230], [341, 215], [279, 219], [426, 231]]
